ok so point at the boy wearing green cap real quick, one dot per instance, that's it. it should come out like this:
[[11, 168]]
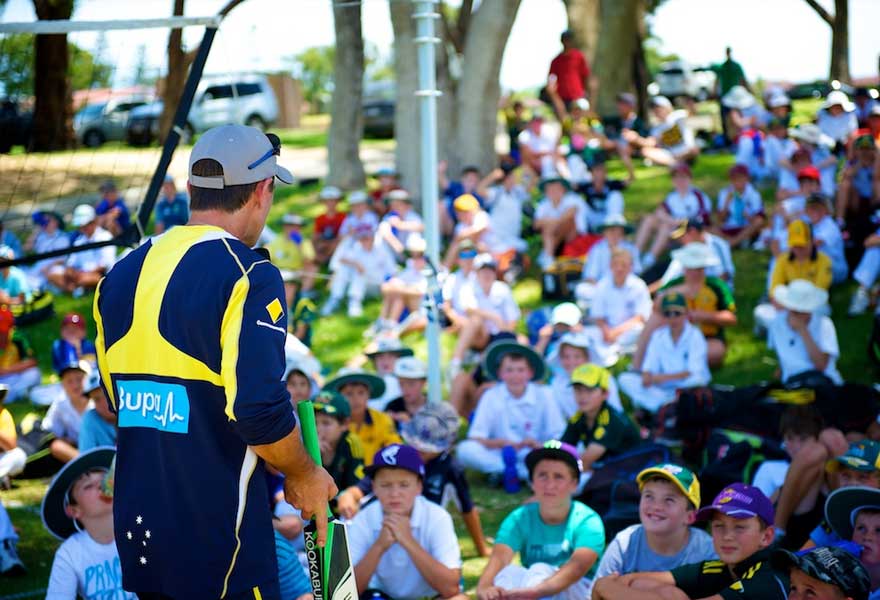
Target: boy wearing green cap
[[665, 538], [599, 428], [341, 451]]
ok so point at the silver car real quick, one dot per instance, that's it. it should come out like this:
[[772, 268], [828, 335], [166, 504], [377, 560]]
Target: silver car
[[101, 122]]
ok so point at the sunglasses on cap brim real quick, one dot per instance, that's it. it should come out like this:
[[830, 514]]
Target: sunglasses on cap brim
[[274, 151]]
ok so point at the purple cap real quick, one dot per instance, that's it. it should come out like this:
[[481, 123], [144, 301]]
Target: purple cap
[[740, 501], [397, 456]]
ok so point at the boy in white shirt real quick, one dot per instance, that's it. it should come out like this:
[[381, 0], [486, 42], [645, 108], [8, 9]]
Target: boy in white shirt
[[358, 220], [675, 358], [77, 511], [361, 268], [505, 201], [837, 118], [513, 417], [684, 202], [64, 416], [400, 223], [621, 307], [406, 289], [574, 349], [777, 148], [598, 263], [559, 217], [472, 223], [403, 546], [671, 140], [740, 208], [85, 269], [827, 235]]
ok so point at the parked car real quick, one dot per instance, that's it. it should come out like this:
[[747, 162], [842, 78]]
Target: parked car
[[15, 126], [247, 99], [818, 89], [101, 122], [679, 78], [377, 107]]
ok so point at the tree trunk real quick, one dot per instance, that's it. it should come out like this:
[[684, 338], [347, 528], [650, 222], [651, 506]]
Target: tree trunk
[[641, 75], [53, 109], [407, 151], [839, 68], [175, 77], [583, 20], [346, 119], [478, 90], [614, 54]]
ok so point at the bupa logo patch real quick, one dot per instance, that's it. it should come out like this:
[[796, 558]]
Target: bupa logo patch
[[161, 406]]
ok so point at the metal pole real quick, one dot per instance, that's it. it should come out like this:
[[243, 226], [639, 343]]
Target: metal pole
[[425, 16]]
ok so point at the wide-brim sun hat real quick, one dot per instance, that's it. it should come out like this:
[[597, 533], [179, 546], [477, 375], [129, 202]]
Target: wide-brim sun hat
[[844, 504], [434, 428], [616, 220], [738, 98], [839, 98], [811, 134], [778, 99], [800, 296], [696, 255], [375, 383], [554, 179], [387, 345], [52, 510], [498, 350]]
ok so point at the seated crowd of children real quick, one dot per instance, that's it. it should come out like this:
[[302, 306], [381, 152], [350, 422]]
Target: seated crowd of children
[[591, 384]]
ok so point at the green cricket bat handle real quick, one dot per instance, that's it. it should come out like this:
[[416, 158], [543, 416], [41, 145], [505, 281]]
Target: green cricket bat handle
[[306, 412]]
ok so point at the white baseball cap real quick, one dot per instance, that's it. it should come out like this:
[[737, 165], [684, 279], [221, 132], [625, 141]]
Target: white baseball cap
[[83, 215], [357, 197], [566, 313], [410, 367], [246, 154]]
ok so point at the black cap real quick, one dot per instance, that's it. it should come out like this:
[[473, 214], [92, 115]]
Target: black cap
[[626, 98], [831, 565]]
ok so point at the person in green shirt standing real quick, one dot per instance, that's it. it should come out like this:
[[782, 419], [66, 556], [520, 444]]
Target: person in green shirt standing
[[728, 74]]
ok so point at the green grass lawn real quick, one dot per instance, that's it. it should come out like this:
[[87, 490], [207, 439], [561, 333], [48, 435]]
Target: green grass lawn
[[337, 339]]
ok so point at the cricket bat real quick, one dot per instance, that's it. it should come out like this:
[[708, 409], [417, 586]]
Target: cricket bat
[[330, 568]]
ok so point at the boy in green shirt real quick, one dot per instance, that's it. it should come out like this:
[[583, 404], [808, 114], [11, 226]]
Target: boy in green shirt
[[602, 430], [559, 539], [341, 452]]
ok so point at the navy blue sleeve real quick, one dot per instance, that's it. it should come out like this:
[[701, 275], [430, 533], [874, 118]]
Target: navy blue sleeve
[[253, 333], [462, 490]]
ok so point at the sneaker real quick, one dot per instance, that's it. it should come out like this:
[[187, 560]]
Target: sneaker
[[355, 309], [859, 303], [329, 307], [510, 478]]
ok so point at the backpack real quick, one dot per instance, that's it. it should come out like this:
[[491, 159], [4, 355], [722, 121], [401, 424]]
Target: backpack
[[559, 279], [612, 490], [734, 456]]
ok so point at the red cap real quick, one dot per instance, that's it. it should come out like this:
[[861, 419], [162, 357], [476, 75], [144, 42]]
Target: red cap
[[810, 172], [681, 169], [73, 319], [738, 169], [6, 319]]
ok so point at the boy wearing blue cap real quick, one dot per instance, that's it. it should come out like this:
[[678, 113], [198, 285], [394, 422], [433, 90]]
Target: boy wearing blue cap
[[404, 545], [741, 523]]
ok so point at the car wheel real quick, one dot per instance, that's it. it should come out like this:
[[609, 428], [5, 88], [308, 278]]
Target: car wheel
[[256, 121], [93, 138]]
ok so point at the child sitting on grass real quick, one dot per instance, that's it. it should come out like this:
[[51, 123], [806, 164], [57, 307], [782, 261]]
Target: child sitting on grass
[[76, 511], [601, 430], [341, 451], [403, 546], [741, 522], [853, 514], [665, 539], [559, 539]]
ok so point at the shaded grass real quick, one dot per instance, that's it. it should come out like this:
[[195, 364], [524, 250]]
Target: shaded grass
[[337, 339]]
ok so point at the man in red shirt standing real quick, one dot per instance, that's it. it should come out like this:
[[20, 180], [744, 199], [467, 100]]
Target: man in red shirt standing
[[571, 71]]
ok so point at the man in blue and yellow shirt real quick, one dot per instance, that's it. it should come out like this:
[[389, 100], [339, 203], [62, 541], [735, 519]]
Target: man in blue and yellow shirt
[[191, 331]]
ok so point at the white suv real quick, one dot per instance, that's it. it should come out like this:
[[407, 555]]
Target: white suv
[[248, 100], [679, 78]]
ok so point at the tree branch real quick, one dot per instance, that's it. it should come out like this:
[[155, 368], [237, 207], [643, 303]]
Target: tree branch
[[228, 8], [826, 16], [464, 19], [449, 34]]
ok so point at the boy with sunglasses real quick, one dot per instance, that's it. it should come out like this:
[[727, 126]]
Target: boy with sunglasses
[[676, 357]]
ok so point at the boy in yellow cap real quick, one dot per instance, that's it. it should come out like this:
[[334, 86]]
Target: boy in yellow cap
[[602, 430]]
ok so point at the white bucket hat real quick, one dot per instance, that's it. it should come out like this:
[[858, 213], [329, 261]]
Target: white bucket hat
[[739, 98], [357, 197], [800, 296], [838, 97], [810, 133], [83, 215], [410, 367], [416, 243], [696, 255], [777, 99]]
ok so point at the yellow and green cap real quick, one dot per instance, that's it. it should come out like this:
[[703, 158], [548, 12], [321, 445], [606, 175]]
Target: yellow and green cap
[[682, 477], [591, 375], [332, 403]]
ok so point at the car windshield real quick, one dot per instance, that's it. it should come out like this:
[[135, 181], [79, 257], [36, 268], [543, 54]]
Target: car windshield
[[92, 110]]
